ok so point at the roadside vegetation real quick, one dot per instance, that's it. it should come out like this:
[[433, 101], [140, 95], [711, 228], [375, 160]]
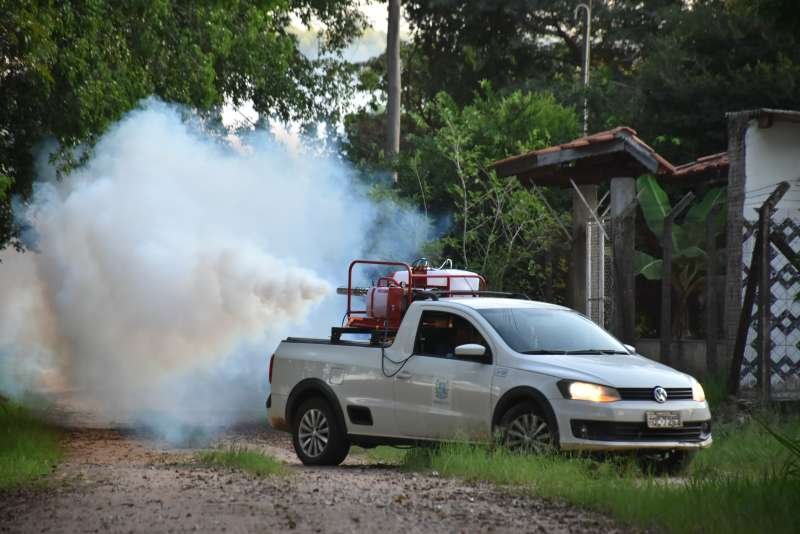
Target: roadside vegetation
[[243, 459], [748, 481], [381, 455], [29, 448]]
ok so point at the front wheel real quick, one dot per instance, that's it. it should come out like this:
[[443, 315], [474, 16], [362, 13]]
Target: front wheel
[[317, 435], [525, 428], [667, 463]]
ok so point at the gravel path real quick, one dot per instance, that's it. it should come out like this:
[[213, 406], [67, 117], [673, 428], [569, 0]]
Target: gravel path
[[113, 481]]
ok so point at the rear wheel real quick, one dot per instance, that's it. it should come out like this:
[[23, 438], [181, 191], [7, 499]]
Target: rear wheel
[[317, 435], [525, 428]]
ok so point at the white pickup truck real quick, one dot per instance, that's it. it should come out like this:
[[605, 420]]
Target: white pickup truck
[[535, 375]]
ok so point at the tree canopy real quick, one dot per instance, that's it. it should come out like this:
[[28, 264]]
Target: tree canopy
[[499, 228], [669, 68], [70, 69]]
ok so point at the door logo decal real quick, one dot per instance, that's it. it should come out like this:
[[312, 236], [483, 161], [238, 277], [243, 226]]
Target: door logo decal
[[441, 390]]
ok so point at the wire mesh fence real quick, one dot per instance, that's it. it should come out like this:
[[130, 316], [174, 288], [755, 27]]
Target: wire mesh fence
[[599, 274]]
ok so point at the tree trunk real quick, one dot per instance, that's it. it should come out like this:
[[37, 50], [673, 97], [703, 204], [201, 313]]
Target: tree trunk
[[393, 85]]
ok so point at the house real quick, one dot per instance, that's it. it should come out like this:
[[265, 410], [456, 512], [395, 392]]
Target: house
[[764, 150]]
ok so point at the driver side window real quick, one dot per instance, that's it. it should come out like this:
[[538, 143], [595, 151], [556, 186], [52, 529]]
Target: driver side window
[[439, 334]]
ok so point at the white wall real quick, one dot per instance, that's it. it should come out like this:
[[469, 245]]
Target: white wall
[[772, 155]]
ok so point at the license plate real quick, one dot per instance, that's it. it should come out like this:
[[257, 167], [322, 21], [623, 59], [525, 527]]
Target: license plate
[[664, 420]]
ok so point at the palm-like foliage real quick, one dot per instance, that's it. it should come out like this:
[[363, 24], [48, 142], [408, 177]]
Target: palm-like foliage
[[688, 242]]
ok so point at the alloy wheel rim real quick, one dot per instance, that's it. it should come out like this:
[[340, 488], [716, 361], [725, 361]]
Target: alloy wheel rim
[[529, 432], [313, 432]]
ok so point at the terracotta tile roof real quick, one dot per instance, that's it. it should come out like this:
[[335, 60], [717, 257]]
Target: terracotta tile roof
[[603, 155], [714, 162], [619, 140]]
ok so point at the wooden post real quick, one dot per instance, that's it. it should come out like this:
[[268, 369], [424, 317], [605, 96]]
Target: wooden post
[[712, 307], [666, 278], [764, 312], [745, 314], [622, 208], [734, 214], [577, 267], [764, 308]]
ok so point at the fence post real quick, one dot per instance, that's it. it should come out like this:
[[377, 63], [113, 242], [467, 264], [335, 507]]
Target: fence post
[[666, 277], [763, 303], [712, 319], [623, 209], [745, 315], [764, 308]]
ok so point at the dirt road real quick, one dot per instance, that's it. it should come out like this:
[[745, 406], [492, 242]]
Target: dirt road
[[113, 481]]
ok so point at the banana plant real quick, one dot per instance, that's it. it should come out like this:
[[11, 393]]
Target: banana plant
[[688, 242]]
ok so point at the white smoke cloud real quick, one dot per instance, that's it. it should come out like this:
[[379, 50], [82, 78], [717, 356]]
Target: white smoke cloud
[[169, 266]]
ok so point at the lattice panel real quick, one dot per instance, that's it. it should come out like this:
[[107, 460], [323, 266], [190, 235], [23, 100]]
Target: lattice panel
[[784, 340]]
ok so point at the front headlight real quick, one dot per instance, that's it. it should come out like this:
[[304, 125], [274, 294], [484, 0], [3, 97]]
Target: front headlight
[[697, 392], [587, 391]]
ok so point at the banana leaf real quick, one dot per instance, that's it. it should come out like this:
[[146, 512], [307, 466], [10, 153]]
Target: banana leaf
[[655, 207], [690, 252], [694, 225], [699, 211], [654, 203], [648, 266]]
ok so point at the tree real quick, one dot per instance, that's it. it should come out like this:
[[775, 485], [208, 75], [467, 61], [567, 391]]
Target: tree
[[70, 69], [499, 228], [688, 244], [669, 68], [519, 43], [715, 57]]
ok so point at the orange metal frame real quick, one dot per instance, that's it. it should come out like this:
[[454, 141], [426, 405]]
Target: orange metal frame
[[417, 280]]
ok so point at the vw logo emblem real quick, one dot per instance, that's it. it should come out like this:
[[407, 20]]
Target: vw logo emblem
[[660, 394]]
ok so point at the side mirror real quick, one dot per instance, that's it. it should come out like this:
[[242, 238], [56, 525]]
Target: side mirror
[[630, 348], [471, 350]]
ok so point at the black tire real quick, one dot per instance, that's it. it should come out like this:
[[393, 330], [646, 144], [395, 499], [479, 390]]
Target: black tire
[[526, 428], [322, 440], [668, 463]]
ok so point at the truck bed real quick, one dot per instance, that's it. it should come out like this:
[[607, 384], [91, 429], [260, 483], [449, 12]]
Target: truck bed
[[376, 337], [328, 341]]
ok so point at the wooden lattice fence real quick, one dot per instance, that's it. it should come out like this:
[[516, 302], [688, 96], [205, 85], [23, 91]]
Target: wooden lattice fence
[[784, 342]]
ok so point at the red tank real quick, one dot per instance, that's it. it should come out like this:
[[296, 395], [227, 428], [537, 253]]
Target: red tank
[[389, 296]]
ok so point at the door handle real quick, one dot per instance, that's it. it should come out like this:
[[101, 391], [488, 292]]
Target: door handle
[[403, 375]]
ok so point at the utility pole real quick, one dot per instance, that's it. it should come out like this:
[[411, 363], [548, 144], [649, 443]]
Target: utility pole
[[586, 50], [393, 85], [584, 199]]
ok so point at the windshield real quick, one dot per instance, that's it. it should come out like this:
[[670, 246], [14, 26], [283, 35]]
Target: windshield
[[548, 331]]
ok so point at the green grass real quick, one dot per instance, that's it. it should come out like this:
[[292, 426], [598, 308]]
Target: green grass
[[736, 486], [243, 459], [745, 449], [715, 388], [384, 455], [29, 448]]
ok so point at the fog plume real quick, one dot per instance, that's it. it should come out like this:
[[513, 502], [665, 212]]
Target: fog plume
[[167, 268]]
